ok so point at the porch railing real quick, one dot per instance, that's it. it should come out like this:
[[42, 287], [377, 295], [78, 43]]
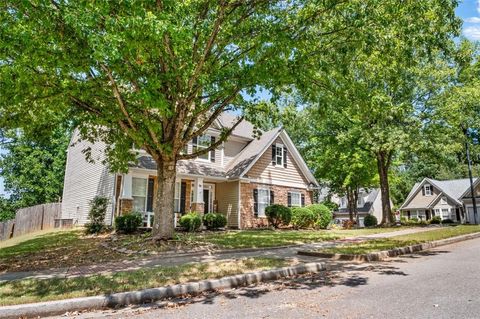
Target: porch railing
[[148, 216]]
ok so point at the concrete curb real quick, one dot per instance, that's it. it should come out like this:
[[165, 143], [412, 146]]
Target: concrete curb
[[59, 307], [382, 255]]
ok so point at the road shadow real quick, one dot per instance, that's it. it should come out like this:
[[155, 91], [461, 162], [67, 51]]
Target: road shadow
[[336, 274]]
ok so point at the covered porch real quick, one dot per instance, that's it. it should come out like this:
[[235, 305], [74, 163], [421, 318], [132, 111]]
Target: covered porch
[[136, 190]]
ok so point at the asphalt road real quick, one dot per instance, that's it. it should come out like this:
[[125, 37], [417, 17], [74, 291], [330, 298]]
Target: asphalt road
[[442, 283]]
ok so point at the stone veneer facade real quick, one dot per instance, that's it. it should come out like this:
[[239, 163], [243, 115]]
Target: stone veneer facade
[[247, 215], [126, 205]]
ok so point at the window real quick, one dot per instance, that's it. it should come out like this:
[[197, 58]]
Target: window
[[427, 190], [445, 213], [343, 202], [360, 201], [295, 199], [203, 142], [176, 196], [443, 200], [279, 154], [139, 194], [263, 200]]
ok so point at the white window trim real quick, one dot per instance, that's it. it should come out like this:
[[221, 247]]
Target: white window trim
[[279, 146], [177, 196], [299, 198], [209, 153], [429, 187], [146, 192], [259, 214]]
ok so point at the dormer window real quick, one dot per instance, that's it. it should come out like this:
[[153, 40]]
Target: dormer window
[[427, 190]]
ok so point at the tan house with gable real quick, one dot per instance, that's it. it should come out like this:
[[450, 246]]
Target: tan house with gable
[[449, 199], [239, 179]]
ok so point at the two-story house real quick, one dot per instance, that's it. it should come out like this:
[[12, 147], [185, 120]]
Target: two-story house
[[369, 202], [239, 179], [449, 199]]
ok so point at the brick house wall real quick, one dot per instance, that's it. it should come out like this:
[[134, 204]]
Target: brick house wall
[[248, 218]]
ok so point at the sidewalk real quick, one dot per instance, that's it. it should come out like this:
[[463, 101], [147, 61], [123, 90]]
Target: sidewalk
[[169, 260]]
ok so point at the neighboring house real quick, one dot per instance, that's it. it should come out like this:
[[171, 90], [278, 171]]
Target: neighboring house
[[239, 179], [450, 199], [369, 203]]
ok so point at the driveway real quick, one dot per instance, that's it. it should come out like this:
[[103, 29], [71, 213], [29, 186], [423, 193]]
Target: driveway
[[441, 283]]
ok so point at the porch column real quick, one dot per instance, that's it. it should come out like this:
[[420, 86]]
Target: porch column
[[198, 204], [125, 202]]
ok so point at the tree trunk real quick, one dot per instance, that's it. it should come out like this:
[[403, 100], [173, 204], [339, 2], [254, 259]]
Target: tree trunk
[[163, 227], [383, 163], [355, 206], [350, 201]]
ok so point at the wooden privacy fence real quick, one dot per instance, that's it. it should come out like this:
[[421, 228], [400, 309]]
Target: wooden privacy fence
[[31, 219]]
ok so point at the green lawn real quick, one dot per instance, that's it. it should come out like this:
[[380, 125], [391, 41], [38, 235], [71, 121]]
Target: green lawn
[[271, 238], [72, 248], [401, 241], [38, 290]]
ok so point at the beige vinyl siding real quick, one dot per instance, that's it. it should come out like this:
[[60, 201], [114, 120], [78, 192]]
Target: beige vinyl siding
[[279, 175], [85, 180], [227, 197], [232, 149]]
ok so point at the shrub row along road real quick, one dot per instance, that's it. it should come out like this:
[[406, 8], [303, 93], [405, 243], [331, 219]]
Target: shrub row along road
[[442, 283]]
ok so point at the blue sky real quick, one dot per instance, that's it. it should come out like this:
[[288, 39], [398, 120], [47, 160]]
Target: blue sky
[[468, 11]]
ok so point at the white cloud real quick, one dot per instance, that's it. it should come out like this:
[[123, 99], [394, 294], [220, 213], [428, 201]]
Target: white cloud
[[472, 33], [472, 20]]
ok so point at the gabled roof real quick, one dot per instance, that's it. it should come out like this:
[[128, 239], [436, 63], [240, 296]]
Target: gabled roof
[[244, 161], [244, 129], [454, 189]]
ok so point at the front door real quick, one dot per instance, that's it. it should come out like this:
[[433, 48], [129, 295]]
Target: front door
[[206, 201]]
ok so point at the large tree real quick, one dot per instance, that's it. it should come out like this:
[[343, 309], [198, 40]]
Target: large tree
[[335, 158], [376, 92], [156, 74]]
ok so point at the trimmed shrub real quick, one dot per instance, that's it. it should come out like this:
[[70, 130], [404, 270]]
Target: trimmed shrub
[[96, 215], [303, 217], [128, 223], [370, 221], [323, 214], [447, 221], [278, 215], [436, 220], [214, 221], [191, 222]]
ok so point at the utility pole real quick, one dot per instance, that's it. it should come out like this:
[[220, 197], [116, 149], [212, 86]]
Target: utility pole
[[472, 190]]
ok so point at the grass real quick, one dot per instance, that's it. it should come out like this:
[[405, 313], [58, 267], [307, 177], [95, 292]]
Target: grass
[[401, 241], [59, 249], [38, 290]]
